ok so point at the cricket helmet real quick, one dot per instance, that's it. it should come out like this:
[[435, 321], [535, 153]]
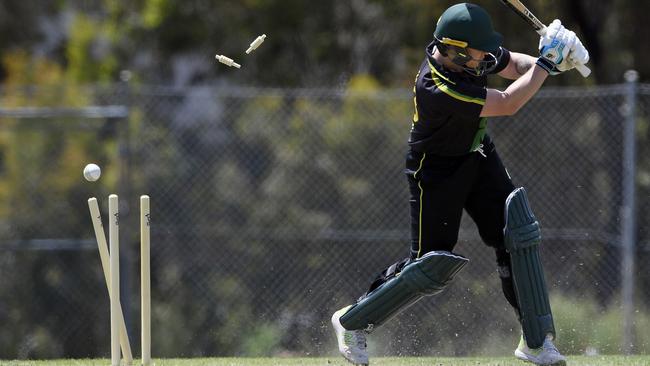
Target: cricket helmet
[[464, 26], [467, 25]]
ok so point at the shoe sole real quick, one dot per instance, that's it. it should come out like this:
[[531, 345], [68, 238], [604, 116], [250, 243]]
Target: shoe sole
[[524, 357]]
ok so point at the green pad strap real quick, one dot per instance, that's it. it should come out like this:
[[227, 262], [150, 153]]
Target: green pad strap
[[427, 275], [522, 238]]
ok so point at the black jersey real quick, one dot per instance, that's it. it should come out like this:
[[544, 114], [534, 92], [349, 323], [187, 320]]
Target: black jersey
[[448, 105]]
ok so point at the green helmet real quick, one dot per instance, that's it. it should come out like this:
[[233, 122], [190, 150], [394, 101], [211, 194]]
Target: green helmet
[[467, 25]]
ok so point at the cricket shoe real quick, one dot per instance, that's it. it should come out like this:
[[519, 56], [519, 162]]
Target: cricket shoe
[[352, 343], [547, 355]]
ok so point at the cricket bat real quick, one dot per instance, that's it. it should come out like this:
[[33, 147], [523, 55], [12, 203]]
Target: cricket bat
[[538, 26]]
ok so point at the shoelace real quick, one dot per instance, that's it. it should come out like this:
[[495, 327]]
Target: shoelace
[[550, 347]]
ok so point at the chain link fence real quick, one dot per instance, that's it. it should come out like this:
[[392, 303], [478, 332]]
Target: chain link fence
[[273, 208]]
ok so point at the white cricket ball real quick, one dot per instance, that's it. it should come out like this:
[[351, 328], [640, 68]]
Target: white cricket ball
[[92, 172]]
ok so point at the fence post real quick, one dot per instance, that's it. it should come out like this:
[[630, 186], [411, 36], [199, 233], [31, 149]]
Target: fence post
[[628, 213]]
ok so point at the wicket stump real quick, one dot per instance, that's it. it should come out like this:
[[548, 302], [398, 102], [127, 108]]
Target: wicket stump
[[104, 256], [110, 266]]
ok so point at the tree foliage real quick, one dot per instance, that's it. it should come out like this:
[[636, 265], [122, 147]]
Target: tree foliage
[[259, 188], [308, 44]]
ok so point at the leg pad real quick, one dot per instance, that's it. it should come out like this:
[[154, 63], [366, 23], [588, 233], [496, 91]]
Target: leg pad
[[522, 238], [427, 275]]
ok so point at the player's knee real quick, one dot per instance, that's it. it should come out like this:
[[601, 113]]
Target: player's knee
[[521, 227]]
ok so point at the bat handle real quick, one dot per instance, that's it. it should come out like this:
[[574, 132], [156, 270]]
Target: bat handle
[[583, 70]]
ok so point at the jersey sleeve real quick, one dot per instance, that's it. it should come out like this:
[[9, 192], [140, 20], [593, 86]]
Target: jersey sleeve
[[503, 58]]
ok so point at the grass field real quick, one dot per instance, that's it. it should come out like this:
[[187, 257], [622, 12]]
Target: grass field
[[387, 361]]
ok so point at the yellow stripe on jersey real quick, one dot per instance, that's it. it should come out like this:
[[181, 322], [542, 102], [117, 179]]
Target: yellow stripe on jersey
[[435, 71], [416, 114], [436, 76]]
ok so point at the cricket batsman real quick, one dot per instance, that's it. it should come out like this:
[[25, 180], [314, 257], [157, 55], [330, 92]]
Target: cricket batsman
[[452, 164]]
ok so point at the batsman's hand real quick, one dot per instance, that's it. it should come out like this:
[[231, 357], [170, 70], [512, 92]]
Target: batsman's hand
[[554, 48], [577, 56]]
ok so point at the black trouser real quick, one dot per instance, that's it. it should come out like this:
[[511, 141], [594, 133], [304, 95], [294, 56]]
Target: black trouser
[[441, 187]]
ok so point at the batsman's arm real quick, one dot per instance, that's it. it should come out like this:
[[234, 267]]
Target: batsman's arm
[[516, 95], [518, 65]]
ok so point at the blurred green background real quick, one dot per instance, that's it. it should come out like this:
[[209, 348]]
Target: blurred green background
[[309, 44], [277, 189]]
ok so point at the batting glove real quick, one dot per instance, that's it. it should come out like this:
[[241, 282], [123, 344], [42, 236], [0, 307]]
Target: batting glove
[[579, 54], [554, 48]]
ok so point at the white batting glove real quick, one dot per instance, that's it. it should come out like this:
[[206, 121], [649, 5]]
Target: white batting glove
[[554, 48], [550, 32], [557, 42], [579, 54]]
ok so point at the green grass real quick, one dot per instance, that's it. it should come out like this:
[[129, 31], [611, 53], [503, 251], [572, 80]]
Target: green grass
[[379, 361]]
